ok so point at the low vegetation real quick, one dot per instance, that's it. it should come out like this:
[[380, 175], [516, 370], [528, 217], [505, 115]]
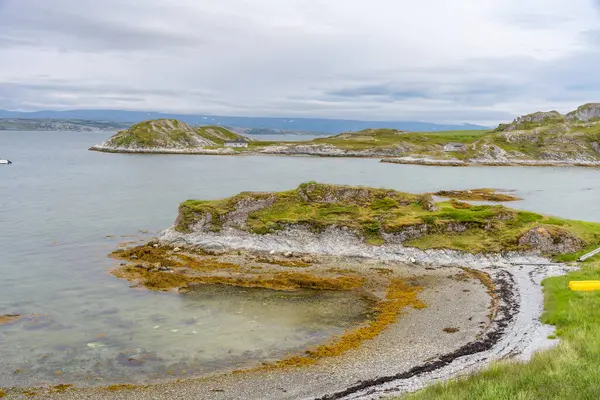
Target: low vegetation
[[478, 195], [375, 214], [568, 371], [413, 142]]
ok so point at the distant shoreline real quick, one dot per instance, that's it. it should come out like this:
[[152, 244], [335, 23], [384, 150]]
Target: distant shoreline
[[408, 160]]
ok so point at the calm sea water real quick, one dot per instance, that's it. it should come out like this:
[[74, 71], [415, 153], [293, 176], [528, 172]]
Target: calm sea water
[[63, 209]]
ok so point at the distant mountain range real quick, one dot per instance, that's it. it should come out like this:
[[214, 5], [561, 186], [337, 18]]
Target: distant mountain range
[[63, 125], [319, 125]]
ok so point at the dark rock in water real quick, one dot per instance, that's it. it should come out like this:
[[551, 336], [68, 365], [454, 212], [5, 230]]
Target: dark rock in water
[[109, 311], [10, 318]]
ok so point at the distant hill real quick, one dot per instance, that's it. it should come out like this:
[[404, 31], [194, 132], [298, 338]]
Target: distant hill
[[20, 124], [164, 135], [319, 125]]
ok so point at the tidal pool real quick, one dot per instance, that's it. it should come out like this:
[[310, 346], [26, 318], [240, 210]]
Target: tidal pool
[[216, 328]]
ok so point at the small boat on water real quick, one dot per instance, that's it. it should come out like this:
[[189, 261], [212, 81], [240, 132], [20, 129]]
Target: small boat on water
[[5, 162]]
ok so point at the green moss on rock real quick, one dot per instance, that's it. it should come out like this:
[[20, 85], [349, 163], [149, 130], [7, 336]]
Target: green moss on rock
[[375, 214], [170, 134]]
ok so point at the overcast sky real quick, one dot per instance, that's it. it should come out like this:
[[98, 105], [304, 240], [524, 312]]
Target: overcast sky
[[479, 61]]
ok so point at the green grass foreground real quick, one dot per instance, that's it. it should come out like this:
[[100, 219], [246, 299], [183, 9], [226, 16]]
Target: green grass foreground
[[569, 371]]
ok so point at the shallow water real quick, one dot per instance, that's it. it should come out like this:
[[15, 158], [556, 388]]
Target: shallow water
[[63, 209]]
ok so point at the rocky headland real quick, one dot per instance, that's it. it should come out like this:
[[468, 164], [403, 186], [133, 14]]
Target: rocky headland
[[538, 139]]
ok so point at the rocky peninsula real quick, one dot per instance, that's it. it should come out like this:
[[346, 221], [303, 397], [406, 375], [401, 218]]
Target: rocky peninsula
[[538, 139], [453, 286]]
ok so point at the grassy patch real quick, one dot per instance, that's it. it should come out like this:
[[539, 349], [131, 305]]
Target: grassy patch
[[217, 134], [372, 139], [569, 371], [478, 195], [171, 133]]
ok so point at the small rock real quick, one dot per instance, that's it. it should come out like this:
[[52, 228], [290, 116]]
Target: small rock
[[133, 257], [450, 330], [142, 266], [176, 249], [272, 252], [289, 254], [164, 269], [123, 264], [155, 245], [413, 260]]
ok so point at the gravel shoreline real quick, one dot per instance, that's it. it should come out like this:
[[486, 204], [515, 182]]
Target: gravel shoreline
[[412, 353]]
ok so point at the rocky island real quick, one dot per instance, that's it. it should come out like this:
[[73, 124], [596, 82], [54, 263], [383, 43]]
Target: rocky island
[[170, 136], [538, 139]]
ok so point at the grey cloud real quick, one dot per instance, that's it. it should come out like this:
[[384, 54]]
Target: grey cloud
[[384, 90], [88, 27], [186, 56], [537, 21]]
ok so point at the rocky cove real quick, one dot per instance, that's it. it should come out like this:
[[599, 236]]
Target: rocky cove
[[437, 310]]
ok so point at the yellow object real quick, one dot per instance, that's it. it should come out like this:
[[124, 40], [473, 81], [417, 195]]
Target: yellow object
[[584, 286]]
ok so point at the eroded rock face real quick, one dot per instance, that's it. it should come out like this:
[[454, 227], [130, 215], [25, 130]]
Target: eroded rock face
[[585, 113], [551, 240], [244, 207], [426, 201], [491, 152], [539, 117], [342, 194]]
